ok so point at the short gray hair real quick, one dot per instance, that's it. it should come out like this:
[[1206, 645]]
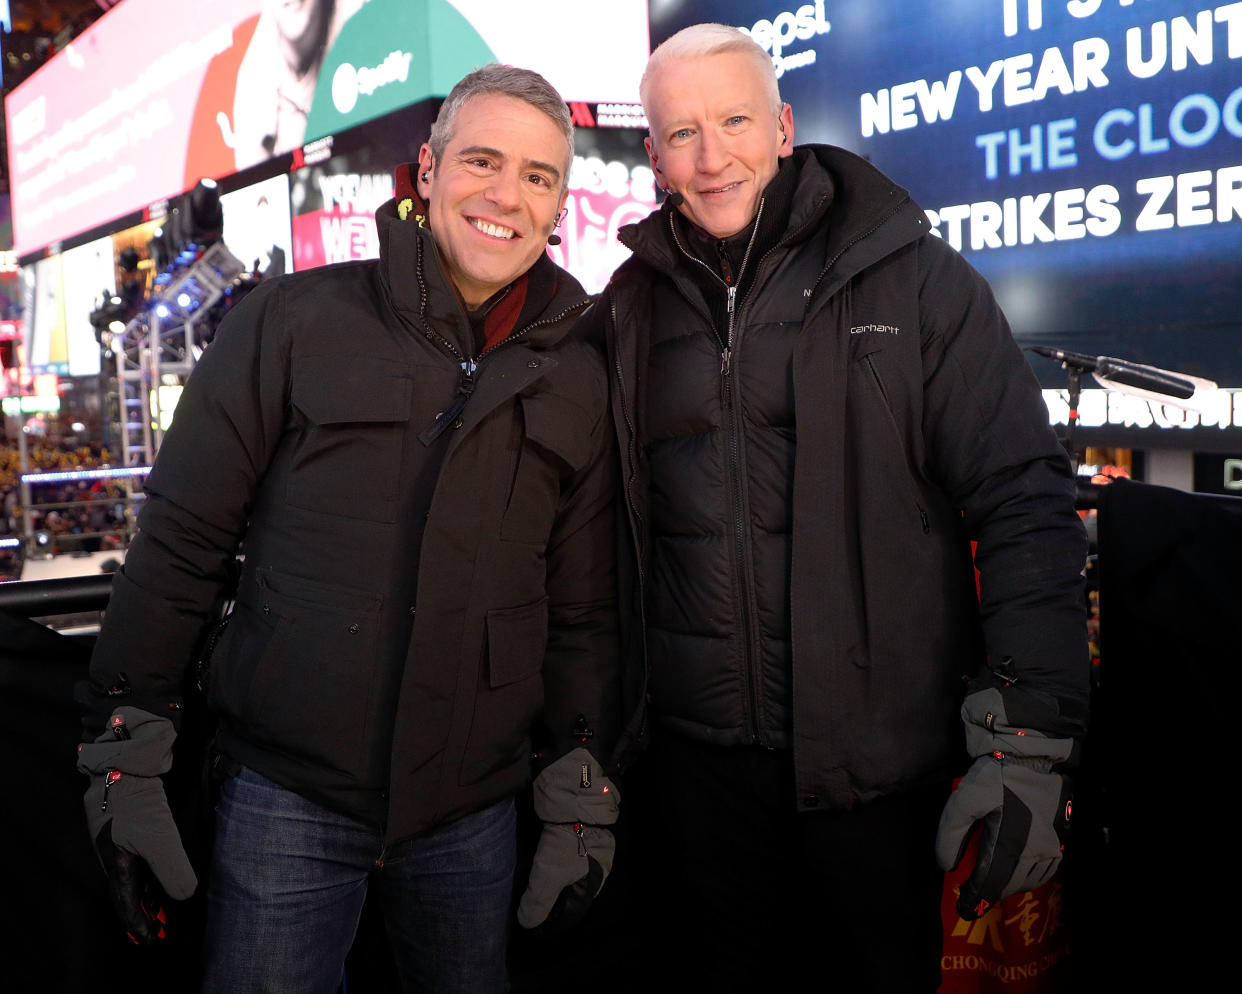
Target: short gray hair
[[507, 81], [701, 40]]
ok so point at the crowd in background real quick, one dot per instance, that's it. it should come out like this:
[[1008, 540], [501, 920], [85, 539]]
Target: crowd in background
[[66, 517]]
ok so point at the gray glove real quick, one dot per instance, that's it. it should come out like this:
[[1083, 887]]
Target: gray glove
[[1018, 788], [573, 799], [129, 820]]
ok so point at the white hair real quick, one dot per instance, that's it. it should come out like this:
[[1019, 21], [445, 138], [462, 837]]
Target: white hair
[[701, 40]]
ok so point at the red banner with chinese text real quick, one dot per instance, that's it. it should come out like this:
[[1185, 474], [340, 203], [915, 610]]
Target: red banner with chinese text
[[1021, 946]]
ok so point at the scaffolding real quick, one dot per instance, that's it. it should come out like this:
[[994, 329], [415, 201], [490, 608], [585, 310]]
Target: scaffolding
[[165, 341], [162, 344]]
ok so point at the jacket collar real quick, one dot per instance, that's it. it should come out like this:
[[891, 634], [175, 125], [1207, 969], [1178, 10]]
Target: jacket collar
[[419, 287]]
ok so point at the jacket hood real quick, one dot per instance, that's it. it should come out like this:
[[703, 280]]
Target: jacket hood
[[420, 290]]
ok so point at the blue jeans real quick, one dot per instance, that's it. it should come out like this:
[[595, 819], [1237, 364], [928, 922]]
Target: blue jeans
[[288, 881]]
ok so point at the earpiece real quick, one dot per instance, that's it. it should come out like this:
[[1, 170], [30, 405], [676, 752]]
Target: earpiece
[[560, 216]]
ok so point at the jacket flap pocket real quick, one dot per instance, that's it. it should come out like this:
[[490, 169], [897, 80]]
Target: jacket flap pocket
[[517, 638], [559, 425], [346, 389]]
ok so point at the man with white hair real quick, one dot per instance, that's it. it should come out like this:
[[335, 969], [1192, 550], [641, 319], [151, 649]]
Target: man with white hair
[[820, 407]]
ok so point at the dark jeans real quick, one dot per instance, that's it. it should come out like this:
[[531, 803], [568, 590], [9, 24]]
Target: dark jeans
[[288, 881], [751, 895]]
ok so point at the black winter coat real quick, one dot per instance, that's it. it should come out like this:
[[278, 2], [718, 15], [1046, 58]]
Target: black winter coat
[[915, 426], [338, 675]]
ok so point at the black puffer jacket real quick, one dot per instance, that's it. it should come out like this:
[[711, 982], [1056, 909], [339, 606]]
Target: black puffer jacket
[[339, 676], [802, 514]]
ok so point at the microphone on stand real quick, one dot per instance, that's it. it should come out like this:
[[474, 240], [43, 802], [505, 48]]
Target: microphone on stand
[[1131, 374]]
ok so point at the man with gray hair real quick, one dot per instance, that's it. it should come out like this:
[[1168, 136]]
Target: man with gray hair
[[416, 453], [820, 408]]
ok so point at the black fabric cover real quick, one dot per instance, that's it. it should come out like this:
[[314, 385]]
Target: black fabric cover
[[1160, 754], [59, 931]]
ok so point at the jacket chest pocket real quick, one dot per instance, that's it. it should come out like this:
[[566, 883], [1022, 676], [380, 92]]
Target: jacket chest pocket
[[347, 458], [555, 443]]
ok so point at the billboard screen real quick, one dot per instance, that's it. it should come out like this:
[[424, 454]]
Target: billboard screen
[[1084, 155], [60, 292], [610, 185], [257, 226], [142, 105]]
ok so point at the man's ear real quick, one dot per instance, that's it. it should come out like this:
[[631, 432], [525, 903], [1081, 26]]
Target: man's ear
[[787, 131], [654, 162], [426, 167]]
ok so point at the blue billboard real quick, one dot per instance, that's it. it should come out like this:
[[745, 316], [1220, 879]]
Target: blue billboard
[[1084, 155]]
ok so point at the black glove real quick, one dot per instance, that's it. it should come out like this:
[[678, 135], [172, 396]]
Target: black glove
[[573, 799], [1018, 789], [129, 820]]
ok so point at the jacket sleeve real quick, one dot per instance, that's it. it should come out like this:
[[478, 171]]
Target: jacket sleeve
[[991, 447], [198, 497], [581, 678]]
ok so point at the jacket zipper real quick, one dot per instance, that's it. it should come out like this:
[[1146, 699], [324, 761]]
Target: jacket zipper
[[752, 653], [892, 423], [469, 365]]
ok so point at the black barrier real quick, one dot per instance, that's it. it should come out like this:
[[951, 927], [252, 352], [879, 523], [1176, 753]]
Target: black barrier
[[59, 931], [67, 595], [1150, 865], [1155, 875], [60, 936]]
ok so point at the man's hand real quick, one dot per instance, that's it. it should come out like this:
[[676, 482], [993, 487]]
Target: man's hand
[[1017, 790], [129, 820], [574, 855]]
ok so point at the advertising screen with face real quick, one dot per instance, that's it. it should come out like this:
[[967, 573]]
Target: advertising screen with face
[[1084, 155], [143, 105]]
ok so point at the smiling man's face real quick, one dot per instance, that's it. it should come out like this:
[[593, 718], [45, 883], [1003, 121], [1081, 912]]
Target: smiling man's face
[[494, 194], [716, 138]]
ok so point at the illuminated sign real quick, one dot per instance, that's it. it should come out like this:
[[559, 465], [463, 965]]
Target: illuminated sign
[[604, 194], [1233, 474], [96, 133], [336, 222], [791, 29], [16, 406], [1220, 409], [73, 475], [1084, 155]]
